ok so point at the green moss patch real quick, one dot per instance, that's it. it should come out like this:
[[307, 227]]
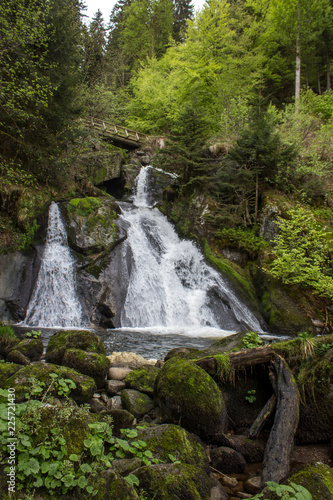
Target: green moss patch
[[83, 206]]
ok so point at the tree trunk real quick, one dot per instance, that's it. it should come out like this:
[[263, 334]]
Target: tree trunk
[[328, 62], [281, 439]]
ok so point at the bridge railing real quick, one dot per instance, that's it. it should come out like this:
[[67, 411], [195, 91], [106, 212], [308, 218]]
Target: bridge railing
[[116, 131]]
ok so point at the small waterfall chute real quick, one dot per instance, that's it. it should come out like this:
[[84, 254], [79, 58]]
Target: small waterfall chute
[[170, 284], [54, 301]]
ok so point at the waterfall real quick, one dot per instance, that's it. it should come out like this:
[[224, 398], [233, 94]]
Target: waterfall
[[54, 302], [170, 284]]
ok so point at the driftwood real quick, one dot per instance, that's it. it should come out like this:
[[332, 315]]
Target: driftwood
[[263, 416], [281, 439], [286, 400]]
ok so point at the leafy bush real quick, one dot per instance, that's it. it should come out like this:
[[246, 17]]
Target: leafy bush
[[251, 340]]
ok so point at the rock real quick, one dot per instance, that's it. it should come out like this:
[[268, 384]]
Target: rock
[[96, 406], [168, 439], [176, 482], [136, 402], [91, 226], [121, 419], [116, 403], [15, 356], [125, 466], [111, 486], [118, 372], [252, 450], [317, 478], [143, 379], [186, 394], [81, 350], [129, 358], [7, 370], [32, 349], [253, 485], [85, 386], [92, 364], [114, 387], [227, 460]]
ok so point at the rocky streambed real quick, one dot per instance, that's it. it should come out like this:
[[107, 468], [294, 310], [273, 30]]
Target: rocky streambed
[[182, 427]]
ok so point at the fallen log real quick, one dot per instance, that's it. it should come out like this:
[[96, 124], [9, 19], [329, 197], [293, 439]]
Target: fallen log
[[263, 416]]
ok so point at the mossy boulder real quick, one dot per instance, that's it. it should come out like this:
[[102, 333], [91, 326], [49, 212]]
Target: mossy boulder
[[122, 419], [136, 402], [91, 227], [7, 370], [90, 363], [32, 349], [112, 486], [81, 350], [318, 479], [169, 439], [72, 339], [8, 340], [143, 379], [176, 482], [85, 386], [188, 396]]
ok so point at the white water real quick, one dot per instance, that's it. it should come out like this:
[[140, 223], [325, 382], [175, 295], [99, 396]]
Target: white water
[[54, 302], [171, 288]]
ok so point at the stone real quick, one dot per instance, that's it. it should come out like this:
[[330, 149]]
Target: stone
[[32, 349], [227, 460], [169, 439], [129, 358], [317, 478], [96, 405], [7, 370], [89, 363], [15, 356], [176, 482], [125, 466], [121, 419], [85, 386], [252, 449], [118, 372], [111, 486], [114, 387], [181, 392], [253, 485], [116, 403], [143, 379], [136, 402]]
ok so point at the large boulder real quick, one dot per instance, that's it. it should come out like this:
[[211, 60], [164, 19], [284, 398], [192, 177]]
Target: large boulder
[[188, 396], [31, 349], [81, 350], [7, 370], [111, 486], [136, 402], [20, 381], [317, 478]]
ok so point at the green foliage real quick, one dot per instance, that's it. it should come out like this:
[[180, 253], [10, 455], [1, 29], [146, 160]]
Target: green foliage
[[224, 367], [251, 397], [243, 239], [302, 253], [251, 340], [321, 349], [34, 334], [286, 492]]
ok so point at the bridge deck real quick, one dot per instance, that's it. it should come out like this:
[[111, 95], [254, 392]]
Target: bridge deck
[[116, 132]]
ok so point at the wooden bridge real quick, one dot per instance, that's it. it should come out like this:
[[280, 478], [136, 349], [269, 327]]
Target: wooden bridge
[[116, 133]]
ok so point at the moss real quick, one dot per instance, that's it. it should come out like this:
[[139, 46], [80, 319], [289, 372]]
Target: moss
[[143, 379], [89, 363], [111, 486], [31, 348], [181, 391], [76, 339], [8, 339], [318, 479], [83, 206], [233, 272], [7, 370], [85, 386], [168, 439], [136, 402], [175, 482]]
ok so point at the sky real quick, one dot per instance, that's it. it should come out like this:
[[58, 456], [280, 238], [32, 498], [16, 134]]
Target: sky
[[106, 6]]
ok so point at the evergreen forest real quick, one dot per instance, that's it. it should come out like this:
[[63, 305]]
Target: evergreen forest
[[239, 92]]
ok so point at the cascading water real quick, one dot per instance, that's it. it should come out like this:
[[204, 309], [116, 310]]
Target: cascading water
[[170, 285], [54, 302]]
